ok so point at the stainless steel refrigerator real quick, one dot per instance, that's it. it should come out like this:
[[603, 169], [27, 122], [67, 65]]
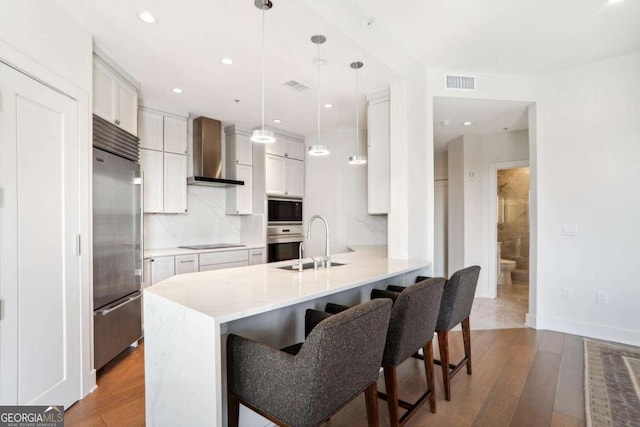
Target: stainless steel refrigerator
[[117, 243]]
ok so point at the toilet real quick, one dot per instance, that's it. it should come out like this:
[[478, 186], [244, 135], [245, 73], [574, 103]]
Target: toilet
[[506, 266]]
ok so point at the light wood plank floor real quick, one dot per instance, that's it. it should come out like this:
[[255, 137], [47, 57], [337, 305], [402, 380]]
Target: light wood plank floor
[[521, 377]]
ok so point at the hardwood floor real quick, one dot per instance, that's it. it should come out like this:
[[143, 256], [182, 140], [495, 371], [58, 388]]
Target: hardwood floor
[[521, 377]]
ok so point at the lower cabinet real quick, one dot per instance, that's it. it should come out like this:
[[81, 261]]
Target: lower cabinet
[[157, 269]]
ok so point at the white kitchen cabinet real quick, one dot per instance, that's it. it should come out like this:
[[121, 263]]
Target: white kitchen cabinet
[[163, 144], [162, 267], [114, 98], [256, 256], [150, 129], [186, 263], [284, 176], [175, 183], [238, 147], [152, 165], [224, 265], [175, 134], [240, 197], [378, 168], [146, 273], [225, 259], [285, 147]]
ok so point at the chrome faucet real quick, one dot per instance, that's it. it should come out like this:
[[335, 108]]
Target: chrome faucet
[[300, 252], [327, 257]]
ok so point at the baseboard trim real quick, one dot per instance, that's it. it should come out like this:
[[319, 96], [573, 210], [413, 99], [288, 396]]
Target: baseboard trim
[[531, 321], [590, 330]]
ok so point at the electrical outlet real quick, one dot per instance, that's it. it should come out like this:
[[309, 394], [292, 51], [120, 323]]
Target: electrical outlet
[[602, 297], [566, 293], [570, 230]]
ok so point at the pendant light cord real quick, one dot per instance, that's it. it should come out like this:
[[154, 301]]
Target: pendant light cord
[[357, 116], [318, 91], [263, 65]]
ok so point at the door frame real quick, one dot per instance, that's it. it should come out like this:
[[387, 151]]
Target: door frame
[[41, 73], [493, 218]]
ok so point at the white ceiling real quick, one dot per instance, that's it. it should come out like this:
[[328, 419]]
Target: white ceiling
[[509, 36], [486, 117], [185, 46], [190, 37]]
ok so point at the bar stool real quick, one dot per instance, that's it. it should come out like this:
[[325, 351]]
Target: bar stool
[[457, 301], [303, 387], [411, 327]]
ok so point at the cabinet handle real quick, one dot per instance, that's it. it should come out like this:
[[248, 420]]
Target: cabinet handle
[[117, 122], [237, 212], [152, 260], [183, 261], [286, 192], [286, 155], [237, 161]]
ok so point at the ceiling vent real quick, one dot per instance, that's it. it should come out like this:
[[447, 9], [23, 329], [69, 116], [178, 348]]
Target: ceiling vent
[[459, 82], [297, 86]]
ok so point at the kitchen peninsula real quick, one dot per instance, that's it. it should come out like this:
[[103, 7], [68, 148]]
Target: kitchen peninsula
[[188, 317]]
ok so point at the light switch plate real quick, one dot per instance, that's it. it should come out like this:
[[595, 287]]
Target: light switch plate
[[566, 293], [570, 230], [602, 297]]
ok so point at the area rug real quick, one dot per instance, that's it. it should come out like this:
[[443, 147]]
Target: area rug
[[612, 384]]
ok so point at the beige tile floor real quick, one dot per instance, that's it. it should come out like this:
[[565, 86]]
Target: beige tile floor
[[506, 311]]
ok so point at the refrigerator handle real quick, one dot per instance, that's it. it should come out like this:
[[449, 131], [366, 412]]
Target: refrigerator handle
[[142, 278]]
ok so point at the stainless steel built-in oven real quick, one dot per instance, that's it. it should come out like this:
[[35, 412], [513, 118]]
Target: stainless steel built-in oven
[[284, 211], [283, 242]]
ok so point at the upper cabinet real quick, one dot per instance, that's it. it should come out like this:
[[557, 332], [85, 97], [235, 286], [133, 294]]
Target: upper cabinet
[[239, 166], [378, 168], [284, 165], [163, 158], [114, 98]]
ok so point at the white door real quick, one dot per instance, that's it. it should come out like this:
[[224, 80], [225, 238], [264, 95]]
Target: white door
[[295, 178], [274, 167], [441, 232], [175, 134], [104, 93], [39, 222], [162, 268], [151, 162], [127, 108], [244, 193], [150, 130], [175, 183]]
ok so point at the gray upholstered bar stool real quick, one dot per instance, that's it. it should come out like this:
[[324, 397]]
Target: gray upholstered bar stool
[[411, 327], [457, 301], [339, 360]]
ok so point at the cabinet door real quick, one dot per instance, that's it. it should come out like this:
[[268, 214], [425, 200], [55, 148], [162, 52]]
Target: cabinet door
[[293, 149], [146, 273], [162, 268], [150, 129], [295, 178], [256, 256], [175, 134], [378, 157], [244, 193], [276, 148], [244, 150], [151, 164], [186, 263], [104, 93], [175, 183], [224, 265], [127, 114], [275, 174]]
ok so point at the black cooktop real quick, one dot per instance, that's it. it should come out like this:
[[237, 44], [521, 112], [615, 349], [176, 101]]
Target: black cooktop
[[213, 246]]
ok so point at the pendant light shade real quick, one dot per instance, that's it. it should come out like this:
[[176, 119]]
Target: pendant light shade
[[357, 159], [318, 149], [262, 135]]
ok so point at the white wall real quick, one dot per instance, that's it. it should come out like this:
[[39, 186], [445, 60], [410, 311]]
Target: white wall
[[441, 165], [455, 170], [38, 38], [480, 153], [589, 160], [338, 191]]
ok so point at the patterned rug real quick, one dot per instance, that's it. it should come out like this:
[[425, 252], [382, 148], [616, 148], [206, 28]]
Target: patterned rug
[[612, 384]]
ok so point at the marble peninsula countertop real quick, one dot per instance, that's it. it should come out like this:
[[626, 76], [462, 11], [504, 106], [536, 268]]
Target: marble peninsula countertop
[[149, 253], [235, 293]]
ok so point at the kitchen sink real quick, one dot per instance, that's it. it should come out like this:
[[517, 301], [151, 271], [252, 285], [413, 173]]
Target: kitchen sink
[[307, 266]]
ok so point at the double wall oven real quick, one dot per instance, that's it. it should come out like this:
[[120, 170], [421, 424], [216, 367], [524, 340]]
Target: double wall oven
[[284, 228]]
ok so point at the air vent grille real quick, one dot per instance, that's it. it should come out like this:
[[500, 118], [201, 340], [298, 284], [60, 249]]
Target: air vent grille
[[459, 82], [295, 85]]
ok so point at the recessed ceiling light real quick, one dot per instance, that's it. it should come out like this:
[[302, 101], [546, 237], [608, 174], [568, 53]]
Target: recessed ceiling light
[[328, 105], [227, 61], [177, 90], [147, 17], [277, 121], [467, 123], [445, 123]]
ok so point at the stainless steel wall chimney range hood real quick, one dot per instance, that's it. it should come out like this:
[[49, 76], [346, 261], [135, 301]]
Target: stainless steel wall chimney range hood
[[207, 154]]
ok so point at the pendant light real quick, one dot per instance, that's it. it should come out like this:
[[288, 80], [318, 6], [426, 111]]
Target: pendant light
[[357, 159], [318, 149], [262, 135]]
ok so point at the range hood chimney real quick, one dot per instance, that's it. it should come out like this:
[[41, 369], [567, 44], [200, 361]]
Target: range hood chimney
[[207, 154]]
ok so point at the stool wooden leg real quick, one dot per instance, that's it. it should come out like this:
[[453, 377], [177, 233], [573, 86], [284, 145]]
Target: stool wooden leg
[[443, 343], [466, 336], [371, 397], [391, 383], [233, 410], [428, 368]]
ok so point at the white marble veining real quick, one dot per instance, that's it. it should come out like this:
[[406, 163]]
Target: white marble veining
[[253, 227], [205, 222], [235, 293]]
